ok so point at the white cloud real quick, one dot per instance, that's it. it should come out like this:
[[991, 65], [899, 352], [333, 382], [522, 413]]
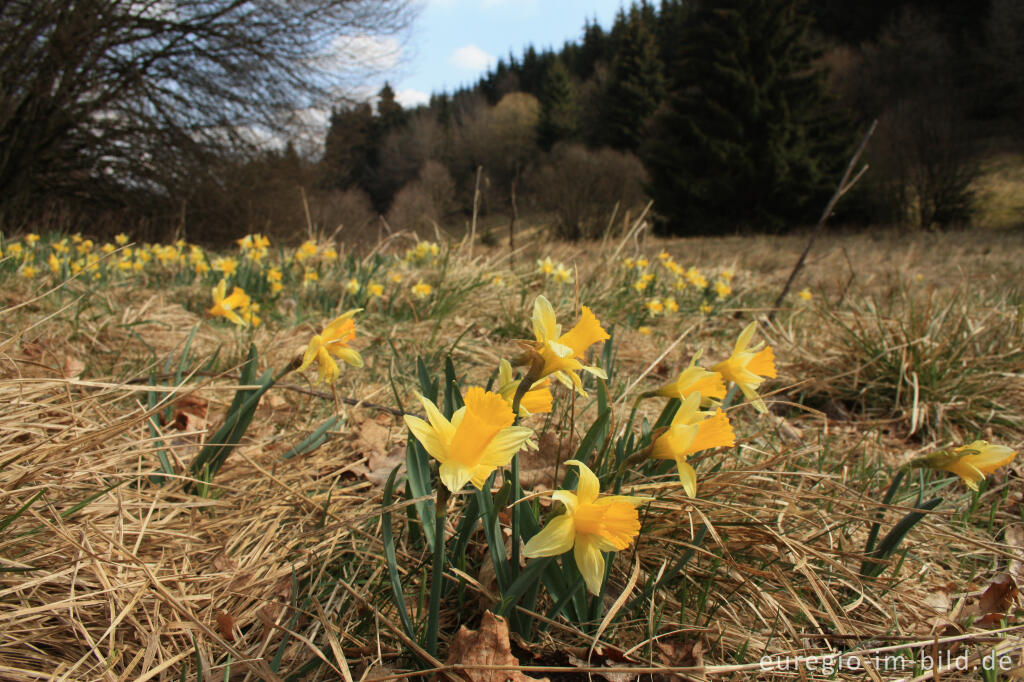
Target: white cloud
[[471, 58], [364, 52], [410, 98]]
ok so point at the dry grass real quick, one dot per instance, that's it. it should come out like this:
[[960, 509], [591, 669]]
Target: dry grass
[[281, 576]]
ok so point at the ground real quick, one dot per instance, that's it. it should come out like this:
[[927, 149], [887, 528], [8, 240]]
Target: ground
[[117, 563]]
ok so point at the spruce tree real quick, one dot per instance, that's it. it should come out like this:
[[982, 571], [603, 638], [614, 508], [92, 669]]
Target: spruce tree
[[559, 112], [637, 85], [746, 138]]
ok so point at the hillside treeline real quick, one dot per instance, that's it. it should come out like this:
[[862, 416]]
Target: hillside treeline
[[729, 114]]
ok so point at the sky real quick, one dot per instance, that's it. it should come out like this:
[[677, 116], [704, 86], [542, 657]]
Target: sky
[[454, 42]]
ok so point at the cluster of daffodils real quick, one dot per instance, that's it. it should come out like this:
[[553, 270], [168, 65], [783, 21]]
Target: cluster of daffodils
[[556, 272], [666, 287], [422, 252], [483, 435]]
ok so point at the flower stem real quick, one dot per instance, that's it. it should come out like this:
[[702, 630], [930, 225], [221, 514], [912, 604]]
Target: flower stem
[[437, 581]]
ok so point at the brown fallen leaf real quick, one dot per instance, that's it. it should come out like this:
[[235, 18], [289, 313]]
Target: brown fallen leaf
[[995, 602], [379, 466], [190, 414], [487, 646], [72, 367], [226, 625], [999, 596]]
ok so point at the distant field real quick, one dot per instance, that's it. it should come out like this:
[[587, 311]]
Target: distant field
[[123, 557]]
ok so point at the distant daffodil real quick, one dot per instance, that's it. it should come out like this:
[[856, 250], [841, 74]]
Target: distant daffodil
[[232, 307], [748, 367], [590, 526], [692, 431], [479, 438], [332, 343]]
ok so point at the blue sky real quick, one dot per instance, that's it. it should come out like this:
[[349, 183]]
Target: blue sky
[[453, 42]]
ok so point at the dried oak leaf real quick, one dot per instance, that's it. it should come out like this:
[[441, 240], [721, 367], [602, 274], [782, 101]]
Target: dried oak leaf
[[190, 414], [487, 646], [996, 600]]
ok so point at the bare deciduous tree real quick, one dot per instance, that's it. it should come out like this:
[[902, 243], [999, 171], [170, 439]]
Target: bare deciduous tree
[[128, 93]]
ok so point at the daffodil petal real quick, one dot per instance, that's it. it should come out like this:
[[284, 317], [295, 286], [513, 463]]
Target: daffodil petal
[[588, 487], [560, 349], [590, 562], [545, 325], [567, 498], [504, 446], [310, 354], [554, 539], [350, 356], [427, 436], [445, 430], [745, 336], [454, 476], [688, 477]]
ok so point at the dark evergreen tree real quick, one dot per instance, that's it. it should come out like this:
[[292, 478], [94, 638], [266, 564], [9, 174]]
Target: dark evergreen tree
[[637, 85], [745, 140], [559, 111], [390, 114], [349, 150]]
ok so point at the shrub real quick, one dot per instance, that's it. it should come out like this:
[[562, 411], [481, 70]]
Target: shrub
[[424, 202], [582, 186]]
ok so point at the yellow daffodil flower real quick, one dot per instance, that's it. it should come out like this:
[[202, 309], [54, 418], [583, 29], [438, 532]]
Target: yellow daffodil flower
[[307, 250], [589, 527], [563, 353], [655, 306], [722, 289], [546, 267], [375, 290], [971, 462], [478, 439], [29, 271], [54, 263], [696, 279], [644, 329], [536, 400], [226, 266], [310, 276], [805, 294], [395, 277], [422, 289], [640, 284], [707, 308], [642, 262], [333, 341], [670, 304], [692, 431], [330, 255], [664, 256], [748, 368], [229, 307], [353, 286], [563, 275], [121, 239], [695, 379]]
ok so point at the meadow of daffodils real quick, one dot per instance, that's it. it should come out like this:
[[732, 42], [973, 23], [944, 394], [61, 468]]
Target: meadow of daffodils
[[278, 462]]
